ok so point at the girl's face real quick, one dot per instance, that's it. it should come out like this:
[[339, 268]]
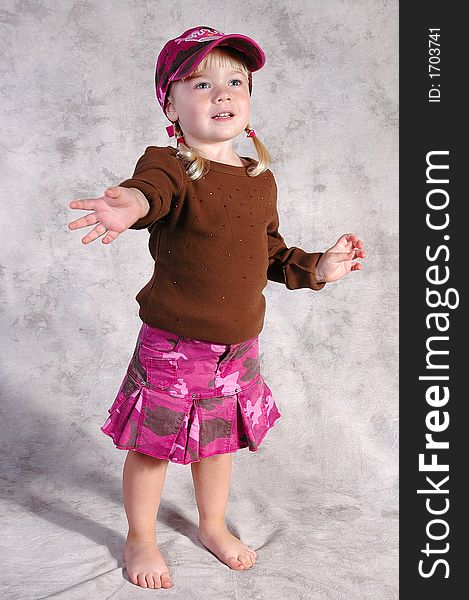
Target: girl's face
[[196, 100]]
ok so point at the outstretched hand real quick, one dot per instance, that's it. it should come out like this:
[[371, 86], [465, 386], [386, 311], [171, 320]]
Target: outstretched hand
[[337, 261], [114, 212]]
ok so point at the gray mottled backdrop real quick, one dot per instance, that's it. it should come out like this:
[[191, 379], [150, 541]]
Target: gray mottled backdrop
[[319, 500]]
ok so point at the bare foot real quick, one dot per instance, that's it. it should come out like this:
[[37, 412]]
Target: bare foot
[[227, 547], [145, 565]]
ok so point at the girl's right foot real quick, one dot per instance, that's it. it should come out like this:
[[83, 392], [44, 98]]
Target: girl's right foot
[[145, 565]]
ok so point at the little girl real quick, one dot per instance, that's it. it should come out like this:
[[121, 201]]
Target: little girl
[[193, 391]]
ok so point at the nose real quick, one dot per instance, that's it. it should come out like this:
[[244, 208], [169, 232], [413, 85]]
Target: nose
[[222, 94]]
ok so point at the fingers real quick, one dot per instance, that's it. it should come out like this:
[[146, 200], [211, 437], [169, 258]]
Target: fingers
[[354, 253], [84, 203], [351, 237], [350, 240], [90, 203], [85, 221], [91, 219], [110, 237], [94, 234]]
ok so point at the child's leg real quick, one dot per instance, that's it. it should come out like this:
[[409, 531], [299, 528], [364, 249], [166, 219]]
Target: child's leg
[[143, 481], [212, 478]]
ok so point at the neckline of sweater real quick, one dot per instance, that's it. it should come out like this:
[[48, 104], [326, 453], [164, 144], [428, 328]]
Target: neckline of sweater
[[224, 167]]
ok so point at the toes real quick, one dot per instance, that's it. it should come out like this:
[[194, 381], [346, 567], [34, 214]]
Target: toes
[[166, 580], [149, 581], [152, 581], [243, 561], [234, 563], [246, 560]]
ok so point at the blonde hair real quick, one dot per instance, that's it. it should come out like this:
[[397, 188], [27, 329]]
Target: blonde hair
[[195, 164]]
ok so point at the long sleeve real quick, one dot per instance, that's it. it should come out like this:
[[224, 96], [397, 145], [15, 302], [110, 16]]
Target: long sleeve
[[292, 266], [159, 177]]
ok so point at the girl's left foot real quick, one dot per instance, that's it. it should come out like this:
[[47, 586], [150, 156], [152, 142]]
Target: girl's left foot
[[227, 547]]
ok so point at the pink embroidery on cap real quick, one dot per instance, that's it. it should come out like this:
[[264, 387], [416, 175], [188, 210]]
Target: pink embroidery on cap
[[203, 35]]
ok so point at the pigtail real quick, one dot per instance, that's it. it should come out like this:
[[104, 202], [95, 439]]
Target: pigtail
[[193, 162], [263, 156]]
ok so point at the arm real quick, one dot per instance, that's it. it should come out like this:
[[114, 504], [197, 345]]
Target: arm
[[157, 179], [293, 267], [137, 202]]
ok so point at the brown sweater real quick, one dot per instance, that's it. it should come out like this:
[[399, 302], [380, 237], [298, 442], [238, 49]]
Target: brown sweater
[[215, 243]]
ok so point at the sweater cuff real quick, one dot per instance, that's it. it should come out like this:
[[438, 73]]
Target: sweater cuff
[[154, 200], [302, 274]]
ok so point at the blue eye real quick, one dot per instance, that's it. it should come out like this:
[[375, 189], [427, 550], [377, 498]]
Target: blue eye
[[206, 83]]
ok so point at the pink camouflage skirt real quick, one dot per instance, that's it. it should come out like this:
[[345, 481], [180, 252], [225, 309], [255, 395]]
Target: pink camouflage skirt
[[183, 399]]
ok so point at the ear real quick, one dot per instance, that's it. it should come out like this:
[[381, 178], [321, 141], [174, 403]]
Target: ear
[[170, 110]]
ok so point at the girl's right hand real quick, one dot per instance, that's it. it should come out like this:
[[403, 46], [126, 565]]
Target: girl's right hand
[[114, 212]]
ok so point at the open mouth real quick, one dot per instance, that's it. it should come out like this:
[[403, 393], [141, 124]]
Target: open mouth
[[223, 116]]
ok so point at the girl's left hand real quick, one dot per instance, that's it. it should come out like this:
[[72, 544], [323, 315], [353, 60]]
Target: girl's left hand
[[336, 262]]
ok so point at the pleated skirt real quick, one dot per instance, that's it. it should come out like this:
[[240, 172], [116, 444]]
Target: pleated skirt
[[183, 399]]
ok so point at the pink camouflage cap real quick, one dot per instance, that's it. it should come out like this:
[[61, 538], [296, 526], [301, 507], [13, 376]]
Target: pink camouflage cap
[[181, 55]]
